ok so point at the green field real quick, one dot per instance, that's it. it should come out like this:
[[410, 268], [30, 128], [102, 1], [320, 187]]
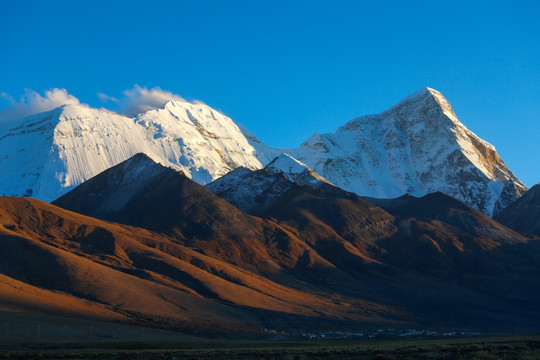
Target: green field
[[523, 347]]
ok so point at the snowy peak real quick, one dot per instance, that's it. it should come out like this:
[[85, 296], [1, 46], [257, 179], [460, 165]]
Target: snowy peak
[[52, 152], [423, 94], [443, 103], [417, 146], [295, 170], [426, 95], [208, 144], [424, 101], [287, 164]]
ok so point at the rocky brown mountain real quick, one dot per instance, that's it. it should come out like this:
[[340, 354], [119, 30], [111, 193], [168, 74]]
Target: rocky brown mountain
[[417, 261], [523, 215]]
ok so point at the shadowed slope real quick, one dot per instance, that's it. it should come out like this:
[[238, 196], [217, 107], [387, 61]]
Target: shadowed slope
[[164, 200], [408, 242], [130, 273], [440, 207], [172, 204], [523, 215], [341, 226], [325, 251], [441, 235]]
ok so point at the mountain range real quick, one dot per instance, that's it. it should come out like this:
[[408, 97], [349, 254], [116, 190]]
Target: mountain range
[[383, 224], [418, 146], [143, 243]]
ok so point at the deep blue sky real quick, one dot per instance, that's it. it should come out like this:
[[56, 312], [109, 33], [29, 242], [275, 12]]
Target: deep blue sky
[[286, 69]]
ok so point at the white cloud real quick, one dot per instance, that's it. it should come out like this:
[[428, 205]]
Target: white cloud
[[140, 99], [106, 98], [32, 103], [132, 102]]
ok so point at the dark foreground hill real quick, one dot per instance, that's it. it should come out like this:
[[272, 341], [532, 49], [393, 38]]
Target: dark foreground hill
[[59, 262], [523, 215]]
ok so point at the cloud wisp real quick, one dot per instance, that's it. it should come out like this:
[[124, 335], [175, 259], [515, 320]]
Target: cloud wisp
[[140, 99], [32, 103]]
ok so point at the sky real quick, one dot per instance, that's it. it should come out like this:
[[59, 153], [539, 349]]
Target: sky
[[284, 69]]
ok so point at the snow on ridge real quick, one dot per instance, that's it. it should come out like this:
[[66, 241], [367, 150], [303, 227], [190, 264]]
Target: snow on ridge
[[417, 146], [287, 164], [206, 143], [253, 191], [264, 153], [295, 170]]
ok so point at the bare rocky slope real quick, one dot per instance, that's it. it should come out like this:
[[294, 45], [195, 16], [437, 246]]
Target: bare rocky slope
[[523, 215], [325, 256]]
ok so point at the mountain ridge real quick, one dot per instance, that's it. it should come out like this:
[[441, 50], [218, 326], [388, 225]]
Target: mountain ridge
[[253, 191], [416, 146]]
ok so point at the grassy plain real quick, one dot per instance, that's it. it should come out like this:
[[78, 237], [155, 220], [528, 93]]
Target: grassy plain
[[515, 347]]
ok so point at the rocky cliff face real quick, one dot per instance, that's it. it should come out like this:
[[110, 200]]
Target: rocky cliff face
[[418, 146]]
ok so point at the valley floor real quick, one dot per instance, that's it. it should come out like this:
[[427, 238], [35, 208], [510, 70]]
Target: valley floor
[[515, 347]]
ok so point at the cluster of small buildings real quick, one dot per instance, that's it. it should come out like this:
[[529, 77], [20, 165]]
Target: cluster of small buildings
[[380, 333]]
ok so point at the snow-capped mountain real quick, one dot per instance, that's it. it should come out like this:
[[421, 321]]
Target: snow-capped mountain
[[418, 146], [253, 191], [47, 154]]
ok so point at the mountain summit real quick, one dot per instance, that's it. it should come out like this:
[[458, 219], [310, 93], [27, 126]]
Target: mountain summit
[[417, 146], [254, 191], [295, 170], [47, 154]]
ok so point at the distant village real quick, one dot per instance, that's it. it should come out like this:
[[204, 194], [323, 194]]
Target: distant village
[[380, 333]]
